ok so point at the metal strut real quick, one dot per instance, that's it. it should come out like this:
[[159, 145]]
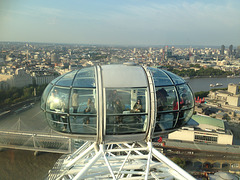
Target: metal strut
[[118, 161]]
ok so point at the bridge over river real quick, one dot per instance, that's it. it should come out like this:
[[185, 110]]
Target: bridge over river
[[26, 129]]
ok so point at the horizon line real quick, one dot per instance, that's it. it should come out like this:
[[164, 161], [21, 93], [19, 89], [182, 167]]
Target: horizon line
[[122, 45]]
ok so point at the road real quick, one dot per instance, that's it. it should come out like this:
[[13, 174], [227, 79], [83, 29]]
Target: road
[[31, 119]]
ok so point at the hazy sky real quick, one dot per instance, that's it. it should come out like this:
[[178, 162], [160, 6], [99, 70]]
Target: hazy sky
[[122, 22]]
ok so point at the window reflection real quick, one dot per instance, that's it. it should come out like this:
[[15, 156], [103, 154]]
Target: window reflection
[[165, 121], [166, 98], [125, 108], [58, 100], [67, 79], [44, 96], [58, 122], [83, 124], [130, 124], [184, 116], [82, 110], [160, 78], [186, 97], [176, 79], [85, 78], [82, 101], [124, 100]]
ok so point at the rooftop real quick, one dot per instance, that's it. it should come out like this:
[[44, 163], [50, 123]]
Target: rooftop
[[209, 121]]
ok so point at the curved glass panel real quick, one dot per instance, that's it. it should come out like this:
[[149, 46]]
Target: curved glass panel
[[165, 121], [160, 78], [85, 78], [126, 124], [56, 79], [58, 122], [67, 79], [82, 101], [126, 110], [176, 79], [44, 96], [57, 100], [184, 116], [83, 124], [166, 98], [186, 97]]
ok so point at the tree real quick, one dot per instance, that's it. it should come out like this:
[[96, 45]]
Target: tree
[[181, 163], [202, 72], [201, 94]]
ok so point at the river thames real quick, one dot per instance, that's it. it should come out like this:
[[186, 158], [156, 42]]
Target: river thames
[[203, 84], [18, 164]]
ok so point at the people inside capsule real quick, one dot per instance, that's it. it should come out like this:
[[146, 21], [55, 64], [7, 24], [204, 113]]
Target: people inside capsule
[[138, 106], [118, 109], [112, 98], [166, 101], [185, 97], [75, 101], [90, 109], [161, 99]]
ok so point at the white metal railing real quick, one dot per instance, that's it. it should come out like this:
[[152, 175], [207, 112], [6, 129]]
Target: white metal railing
[[36, 142], [117, 161]]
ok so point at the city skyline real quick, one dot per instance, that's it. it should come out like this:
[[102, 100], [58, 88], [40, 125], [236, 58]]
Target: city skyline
[[122, 23]]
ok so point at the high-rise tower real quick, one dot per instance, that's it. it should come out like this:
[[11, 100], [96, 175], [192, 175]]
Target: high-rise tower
[[230, 50], [222, 50]]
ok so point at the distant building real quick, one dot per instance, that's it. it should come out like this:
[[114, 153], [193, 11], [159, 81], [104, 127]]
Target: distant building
[[222, 50], [1, 61], [54, 58], [193, 59], [230, 50], [229, 97], [209, 130], [35, 56], [20, 79], [238, 52], [42, 79], [134, 50], [150, 50]]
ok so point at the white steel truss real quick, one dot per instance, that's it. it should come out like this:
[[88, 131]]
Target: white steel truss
[[117, 161]]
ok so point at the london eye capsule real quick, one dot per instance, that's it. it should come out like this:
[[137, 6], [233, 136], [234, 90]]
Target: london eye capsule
[[113, 103]]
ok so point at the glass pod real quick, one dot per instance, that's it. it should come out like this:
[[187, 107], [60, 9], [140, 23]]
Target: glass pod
[[113, 103]]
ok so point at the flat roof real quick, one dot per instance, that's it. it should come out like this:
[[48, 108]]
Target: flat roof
[[209, 121]]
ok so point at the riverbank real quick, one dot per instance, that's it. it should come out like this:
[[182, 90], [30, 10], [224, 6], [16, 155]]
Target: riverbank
[[23, 165], [198, 77]]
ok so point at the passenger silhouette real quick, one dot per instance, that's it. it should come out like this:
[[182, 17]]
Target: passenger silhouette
[[161, 99], [138, 106], [75, 101], [117, 109], [90, 107]]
